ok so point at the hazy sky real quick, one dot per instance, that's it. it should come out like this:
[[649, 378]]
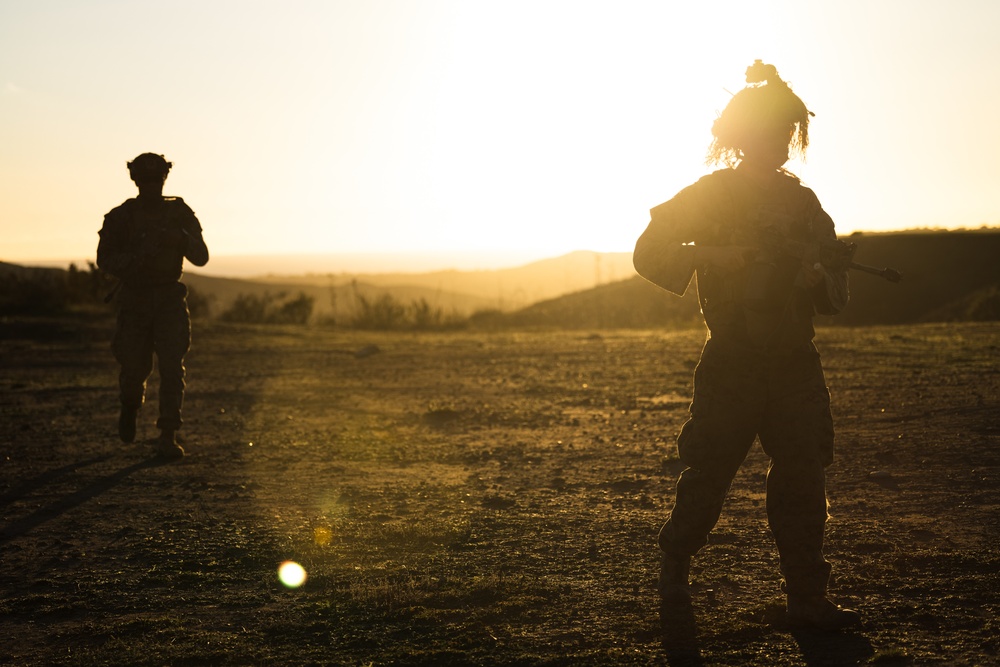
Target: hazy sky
[[537, 126]]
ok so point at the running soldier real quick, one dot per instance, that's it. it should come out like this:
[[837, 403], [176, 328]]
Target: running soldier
[[759, 375], [144, 243]]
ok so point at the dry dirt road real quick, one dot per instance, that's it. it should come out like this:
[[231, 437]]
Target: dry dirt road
[[476, 498]]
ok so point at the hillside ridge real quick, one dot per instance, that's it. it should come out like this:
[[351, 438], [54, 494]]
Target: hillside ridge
[[947, 276]]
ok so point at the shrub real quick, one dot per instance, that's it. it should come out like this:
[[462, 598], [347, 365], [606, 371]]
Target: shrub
[[381, 313], [40, 291], [385, 313], [199, 305], [270, 309]]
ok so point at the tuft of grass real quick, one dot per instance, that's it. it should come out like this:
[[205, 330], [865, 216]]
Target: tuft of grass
[[420, 535], [500, 594], [890, 656], [390, 594]]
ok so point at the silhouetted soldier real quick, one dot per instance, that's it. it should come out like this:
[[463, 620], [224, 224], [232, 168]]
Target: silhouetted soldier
[[760, 374], [144, 243]]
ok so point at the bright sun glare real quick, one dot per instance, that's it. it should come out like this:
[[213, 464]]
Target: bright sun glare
[[447, 126]]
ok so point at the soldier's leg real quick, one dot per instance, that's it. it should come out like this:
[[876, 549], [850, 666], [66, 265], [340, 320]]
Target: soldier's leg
[[172, 341], [132, 347], [798, 436], [713, 444], [796, 514]]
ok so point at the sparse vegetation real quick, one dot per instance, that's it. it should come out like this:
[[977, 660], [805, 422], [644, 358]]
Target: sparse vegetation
[[200, 305], [45, 292], [382, 313], [947, 277], [269, 309], [891, 656], [41, 291], [385, 313]]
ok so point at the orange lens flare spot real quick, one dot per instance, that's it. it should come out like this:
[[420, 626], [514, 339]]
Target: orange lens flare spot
[[322, 536]]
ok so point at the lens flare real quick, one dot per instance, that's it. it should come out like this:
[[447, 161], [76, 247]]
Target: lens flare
[[291, 574], [322, 535]]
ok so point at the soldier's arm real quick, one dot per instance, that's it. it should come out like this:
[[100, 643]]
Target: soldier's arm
[[114, 254], [673, 245], [196, 251], [830, 294], [664, 254], [662, 261]]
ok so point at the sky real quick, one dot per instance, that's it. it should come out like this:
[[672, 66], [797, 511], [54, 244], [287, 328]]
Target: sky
[[476, 129]]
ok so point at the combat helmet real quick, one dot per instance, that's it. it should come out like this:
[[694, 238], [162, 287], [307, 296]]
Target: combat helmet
[[148, 165]]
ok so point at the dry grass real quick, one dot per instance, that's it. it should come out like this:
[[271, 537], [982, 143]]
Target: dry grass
[[478, 499]]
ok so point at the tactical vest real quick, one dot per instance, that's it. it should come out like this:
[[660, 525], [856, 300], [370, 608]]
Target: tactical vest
[[156, 237], [760, 303]]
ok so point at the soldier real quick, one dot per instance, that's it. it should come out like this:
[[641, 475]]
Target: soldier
[[759, 375], [144, 243]]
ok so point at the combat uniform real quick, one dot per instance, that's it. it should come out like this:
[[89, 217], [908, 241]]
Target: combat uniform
[[759, 375], [143, 243]]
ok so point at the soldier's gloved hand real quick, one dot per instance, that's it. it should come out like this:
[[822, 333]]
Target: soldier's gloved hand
[[810, 275], [812, 271], [837, 255]]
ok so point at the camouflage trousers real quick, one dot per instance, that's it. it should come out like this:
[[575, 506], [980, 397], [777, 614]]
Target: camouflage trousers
[[153, 321], [781, 398]]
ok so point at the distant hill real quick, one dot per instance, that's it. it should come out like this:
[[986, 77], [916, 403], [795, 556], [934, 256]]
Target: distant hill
[[502, 289], [633, 303], [460, 292], [947, 276], [22, 272], [335, 299]]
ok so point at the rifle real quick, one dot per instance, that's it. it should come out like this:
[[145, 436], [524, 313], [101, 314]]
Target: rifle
[[833, 254]]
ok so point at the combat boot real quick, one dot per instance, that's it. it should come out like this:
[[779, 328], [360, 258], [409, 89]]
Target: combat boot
[[167, 447], [817, 611], [126, 423], [673, 584]]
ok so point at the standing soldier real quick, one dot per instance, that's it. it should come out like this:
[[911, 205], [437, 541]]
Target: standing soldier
[[760, 374], [143, 243]]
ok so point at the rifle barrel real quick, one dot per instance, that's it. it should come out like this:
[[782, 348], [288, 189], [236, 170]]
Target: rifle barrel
[[892, 275]]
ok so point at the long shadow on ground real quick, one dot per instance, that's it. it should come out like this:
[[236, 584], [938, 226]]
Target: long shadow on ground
[[680, 635], [831, 649], [68, 502]]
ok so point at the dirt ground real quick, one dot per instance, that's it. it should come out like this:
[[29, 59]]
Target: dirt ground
[[476, 498]]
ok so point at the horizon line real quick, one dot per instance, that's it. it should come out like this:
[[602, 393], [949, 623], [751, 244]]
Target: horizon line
[[353, 262], [414, 261]]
